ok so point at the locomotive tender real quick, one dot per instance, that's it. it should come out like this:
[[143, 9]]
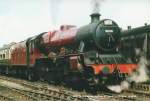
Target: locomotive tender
[[88, 55]]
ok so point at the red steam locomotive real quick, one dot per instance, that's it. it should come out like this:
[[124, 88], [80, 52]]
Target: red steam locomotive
[[80, 57]]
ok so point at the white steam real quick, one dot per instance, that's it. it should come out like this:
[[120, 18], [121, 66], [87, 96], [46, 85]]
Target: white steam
[[55, 8], [96, 4], [140, 75], [118, 88], [137, 51]]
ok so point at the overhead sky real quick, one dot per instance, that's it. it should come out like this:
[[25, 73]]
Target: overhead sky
[[20, 19]]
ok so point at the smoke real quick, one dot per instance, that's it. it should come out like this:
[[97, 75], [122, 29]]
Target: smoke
[[55, 8], [137, 51], [118, 88], [96, 4], [139, 76]]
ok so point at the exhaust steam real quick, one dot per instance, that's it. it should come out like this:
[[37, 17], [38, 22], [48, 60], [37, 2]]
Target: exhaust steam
[[55, 8], [140, 75], [96, 4]]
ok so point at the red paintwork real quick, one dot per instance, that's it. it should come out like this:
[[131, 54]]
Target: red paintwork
[[65, 35], [74, 62], [124, 68], [127, 68], [18, 54], [34, 54]]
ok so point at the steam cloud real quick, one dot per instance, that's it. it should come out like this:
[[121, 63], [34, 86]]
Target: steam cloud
[[139, 76], [96, 4], [118, 88], [54, 5]]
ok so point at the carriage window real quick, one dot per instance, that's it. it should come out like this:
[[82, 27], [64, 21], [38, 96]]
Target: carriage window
[[3, 56], [7, 52], [0, 56]]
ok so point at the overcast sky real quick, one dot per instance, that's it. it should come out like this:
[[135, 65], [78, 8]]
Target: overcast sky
[[20, 19]]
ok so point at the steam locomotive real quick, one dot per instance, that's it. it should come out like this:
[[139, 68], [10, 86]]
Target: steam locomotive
[[80, 57]]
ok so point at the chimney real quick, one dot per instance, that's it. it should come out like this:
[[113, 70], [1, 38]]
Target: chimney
[[95, 17]]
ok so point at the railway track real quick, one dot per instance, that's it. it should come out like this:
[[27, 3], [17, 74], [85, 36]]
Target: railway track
[[105, 96], [12, 94], [38, 96], [42, 91], [131, 94], [5, 98], [140, 91], [141, 87]]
